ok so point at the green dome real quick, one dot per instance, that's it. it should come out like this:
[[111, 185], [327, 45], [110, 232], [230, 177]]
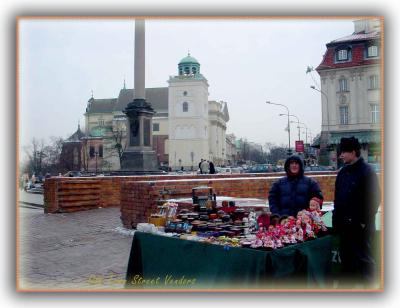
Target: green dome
[[189, 67], [189, 59]]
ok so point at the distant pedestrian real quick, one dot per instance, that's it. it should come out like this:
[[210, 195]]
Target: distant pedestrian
[[212, 168], [33, 179], [201, 172], [25, 180], [205, 167]]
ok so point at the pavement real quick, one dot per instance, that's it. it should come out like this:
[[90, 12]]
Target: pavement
[[86, 250], [27, 198]]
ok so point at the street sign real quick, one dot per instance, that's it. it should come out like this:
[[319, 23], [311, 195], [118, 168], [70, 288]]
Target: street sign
[[299, 146]]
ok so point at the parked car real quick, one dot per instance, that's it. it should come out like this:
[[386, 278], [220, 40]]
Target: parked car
[[319, 168], [223, 170], [73, 174], [260, 168]]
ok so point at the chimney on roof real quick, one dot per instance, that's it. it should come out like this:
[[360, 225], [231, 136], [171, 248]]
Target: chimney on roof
[[366, 25]]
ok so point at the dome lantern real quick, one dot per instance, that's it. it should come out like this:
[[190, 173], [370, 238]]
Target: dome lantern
[[189, 66]]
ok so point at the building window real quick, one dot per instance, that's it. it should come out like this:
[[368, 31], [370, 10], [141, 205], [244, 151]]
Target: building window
[[91, 151], [156, 127], [343, 54], [344, 115], [187, 70], [343, 85], [101, 122], [100, 151], [185, 107], [372, 51], [373, 82], [185, 93], [374, 113]]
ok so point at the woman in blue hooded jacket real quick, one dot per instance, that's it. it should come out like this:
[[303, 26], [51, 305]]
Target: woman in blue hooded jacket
[[295, 191]]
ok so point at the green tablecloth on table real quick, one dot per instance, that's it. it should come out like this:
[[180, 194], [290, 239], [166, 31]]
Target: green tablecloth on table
[[162, 262]]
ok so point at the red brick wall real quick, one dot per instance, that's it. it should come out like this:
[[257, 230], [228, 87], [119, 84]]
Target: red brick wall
[[110, 189], [140, 199], [138, 195]]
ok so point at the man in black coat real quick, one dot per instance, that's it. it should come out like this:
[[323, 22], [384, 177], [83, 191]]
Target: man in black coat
[[212, 168], [357, 198], [295, 191]]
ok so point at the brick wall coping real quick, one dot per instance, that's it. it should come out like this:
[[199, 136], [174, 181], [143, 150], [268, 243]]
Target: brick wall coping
[[226, 179]]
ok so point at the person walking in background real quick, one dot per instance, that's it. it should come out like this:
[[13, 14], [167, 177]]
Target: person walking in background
[[212, 168], [295, 191], [205, 167], [201, 172], [357, 198]]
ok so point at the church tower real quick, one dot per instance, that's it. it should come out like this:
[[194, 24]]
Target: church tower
[[188, 116]]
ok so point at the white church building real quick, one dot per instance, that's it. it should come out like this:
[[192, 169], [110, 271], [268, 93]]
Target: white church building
[[187, 126]]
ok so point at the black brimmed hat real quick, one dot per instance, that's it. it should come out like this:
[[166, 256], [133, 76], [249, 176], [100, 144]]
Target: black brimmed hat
[[349, 144]]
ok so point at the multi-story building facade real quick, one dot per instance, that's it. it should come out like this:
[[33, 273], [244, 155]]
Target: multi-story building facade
[[351, 91], [186, 126], [231, 152]]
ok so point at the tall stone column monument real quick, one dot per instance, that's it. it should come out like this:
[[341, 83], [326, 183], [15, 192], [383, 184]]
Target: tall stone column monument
[[139, 154]]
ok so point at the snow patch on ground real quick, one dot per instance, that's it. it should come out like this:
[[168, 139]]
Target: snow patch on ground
[[124, 231]]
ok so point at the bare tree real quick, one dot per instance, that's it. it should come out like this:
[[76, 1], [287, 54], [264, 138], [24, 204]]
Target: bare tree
[[35, 153], [85, 154], [53, 151], [119, 140], [277, 153], [41, 157]]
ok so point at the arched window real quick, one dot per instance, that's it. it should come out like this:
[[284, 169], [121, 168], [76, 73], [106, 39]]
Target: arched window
[[185, 107]]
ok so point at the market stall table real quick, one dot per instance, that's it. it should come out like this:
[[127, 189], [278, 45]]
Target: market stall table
[[167, 262]]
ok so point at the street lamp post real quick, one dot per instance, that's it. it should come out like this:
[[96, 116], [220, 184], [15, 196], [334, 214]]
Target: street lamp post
[[327, 105], [328, 122], [298, 121], [305, 126], [288, 122], [311, 136]]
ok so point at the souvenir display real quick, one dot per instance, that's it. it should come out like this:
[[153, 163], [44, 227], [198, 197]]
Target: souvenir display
[[229, 225]]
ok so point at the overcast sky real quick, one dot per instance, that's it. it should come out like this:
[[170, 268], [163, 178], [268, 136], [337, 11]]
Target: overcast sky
[[246, 62]]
